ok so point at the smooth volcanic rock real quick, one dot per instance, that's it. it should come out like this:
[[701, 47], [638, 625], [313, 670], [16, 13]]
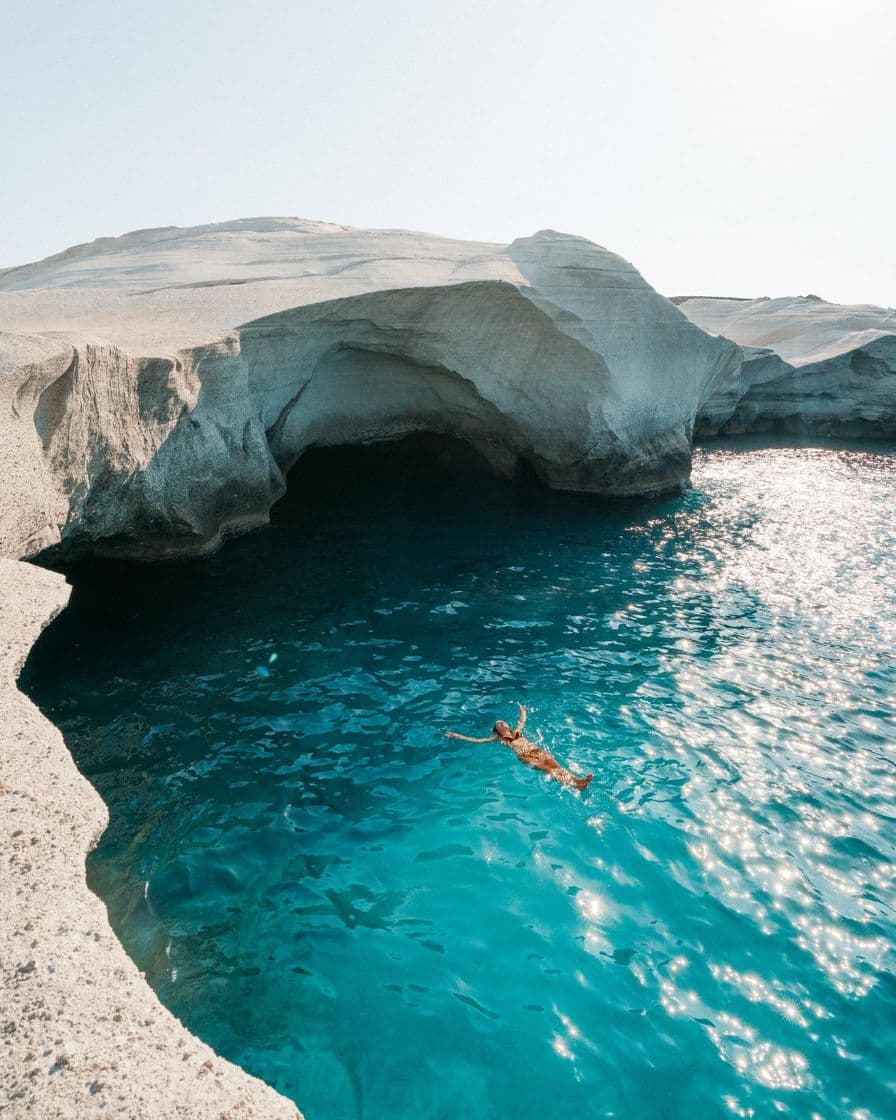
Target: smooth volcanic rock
[[551, 353], [810, 367]]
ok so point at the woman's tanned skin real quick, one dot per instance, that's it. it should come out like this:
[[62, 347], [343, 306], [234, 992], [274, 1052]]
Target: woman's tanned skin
[[527, 752]]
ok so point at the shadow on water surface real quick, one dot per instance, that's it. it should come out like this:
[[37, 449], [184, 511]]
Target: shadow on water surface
[[385, 923]]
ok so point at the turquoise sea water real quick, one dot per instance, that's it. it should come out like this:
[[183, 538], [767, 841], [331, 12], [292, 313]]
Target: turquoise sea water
[[385, 923]]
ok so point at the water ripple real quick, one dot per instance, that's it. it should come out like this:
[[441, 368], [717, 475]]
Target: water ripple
[[385, 923]]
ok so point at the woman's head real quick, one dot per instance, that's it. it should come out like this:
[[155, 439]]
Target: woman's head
[[502, 730]]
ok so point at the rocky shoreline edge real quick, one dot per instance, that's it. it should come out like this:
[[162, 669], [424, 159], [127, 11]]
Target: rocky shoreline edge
[[83, 1033]]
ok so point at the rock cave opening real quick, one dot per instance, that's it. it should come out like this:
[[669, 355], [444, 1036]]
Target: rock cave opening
[[421, 466]]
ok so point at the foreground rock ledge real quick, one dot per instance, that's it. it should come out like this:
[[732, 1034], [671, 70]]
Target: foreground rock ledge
[[83, 1035]]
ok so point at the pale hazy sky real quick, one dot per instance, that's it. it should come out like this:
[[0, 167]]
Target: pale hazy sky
[[745, 147]]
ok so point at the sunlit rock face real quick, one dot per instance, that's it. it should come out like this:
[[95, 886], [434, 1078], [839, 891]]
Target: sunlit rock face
[[157, 386], [809, 367]]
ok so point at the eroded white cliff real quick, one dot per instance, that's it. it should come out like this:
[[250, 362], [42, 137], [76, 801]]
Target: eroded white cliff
[[810, 367], [138, 416], [155, 435]]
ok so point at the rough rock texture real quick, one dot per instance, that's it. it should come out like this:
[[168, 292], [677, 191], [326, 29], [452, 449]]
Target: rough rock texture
[[82, 1033], [146, 420], [810, 367]]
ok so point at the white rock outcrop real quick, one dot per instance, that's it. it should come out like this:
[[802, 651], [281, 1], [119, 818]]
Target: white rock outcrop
[[154, 390], [810, 367], [157, 386]]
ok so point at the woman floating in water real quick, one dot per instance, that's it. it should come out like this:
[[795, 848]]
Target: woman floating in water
[[527, 752]]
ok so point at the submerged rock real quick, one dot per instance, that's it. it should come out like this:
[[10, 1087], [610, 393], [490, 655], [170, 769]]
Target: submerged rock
[[810, 367], [551, 353]]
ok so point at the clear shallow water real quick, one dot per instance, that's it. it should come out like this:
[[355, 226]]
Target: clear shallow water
[[384, 923]]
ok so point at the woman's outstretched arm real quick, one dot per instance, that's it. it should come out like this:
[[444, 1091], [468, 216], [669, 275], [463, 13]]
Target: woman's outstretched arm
[[469, 738], [522, 720]]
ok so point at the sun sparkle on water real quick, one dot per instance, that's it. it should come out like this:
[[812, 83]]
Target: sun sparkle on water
[[385, 923]]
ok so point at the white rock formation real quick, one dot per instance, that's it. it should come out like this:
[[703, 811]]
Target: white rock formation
[[154, 390], [810, 367], [138, 416], [146, 420]]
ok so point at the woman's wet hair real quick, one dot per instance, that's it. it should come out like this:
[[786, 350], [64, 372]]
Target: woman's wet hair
[[496, 730]]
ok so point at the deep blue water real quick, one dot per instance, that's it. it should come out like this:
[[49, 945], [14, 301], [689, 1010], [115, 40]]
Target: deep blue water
[[385, 923]]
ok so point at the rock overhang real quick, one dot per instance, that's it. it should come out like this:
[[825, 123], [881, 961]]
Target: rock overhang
[[551, 351]]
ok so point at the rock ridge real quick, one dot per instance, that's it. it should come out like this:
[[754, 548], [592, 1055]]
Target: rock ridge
[[810, 368], [154, 390]]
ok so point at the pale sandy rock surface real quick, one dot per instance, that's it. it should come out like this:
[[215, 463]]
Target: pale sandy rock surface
[[809, 366], [81, 1033], [801, 329], [32, 506], [159, 291]]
